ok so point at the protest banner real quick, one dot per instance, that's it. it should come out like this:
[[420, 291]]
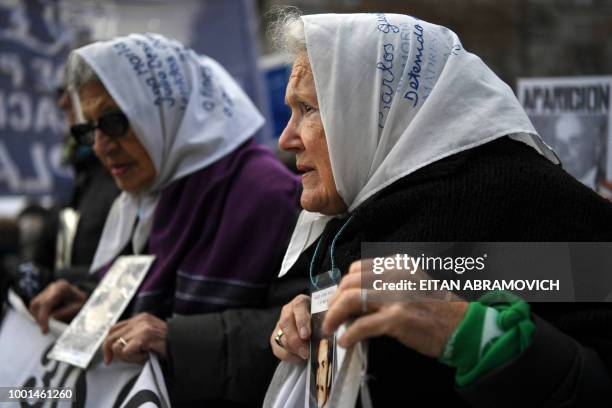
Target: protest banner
[[25, 363], [572, 114], [33, 47]]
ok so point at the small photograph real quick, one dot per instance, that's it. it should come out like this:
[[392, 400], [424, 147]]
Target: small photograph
[[322, 364]]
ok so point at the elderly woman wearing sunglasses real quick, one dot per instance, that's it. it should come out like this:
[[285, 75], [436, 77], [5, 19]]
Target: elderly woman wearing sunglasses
[[175, 131], [115, 127], [404, 136]]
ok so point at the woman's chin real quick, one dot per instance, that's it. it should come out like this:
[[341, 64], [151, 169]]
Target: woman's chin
[[311, 201], [316, 203]]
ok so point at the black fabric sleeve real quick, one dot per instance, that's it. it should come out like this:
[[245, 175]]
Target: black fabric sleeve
[[227, 356], [221, 356], [554, 371]]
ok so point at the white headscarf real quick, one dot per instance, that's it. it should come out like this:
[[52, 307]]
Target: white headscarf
[[185, 109], [396, 94]]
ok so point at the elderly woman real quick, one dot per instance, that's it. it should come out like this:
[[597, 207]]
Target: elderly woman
[[403, 136], [175, 131]]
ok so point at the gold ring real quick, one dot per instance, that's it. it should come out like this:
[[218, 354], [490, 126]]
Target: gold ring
[[278, 336], [122, 341]]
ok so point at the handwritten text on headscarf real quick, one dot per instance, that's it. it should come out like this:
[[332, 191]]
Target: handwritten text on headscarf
[[164, 69]]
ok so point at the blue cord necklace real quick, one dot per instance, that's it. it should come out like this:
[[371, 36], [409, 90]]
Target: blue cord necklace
[[334, 272]]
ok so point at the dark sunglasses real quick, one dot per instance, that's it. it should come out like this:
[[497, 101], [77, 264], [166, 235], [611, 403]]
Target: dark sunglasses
[[114, 124]]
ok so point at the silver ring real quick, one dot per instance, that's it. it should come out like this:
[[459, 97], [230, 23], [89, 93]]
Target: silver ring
[[364, 300], [277, 338], [122, 341]]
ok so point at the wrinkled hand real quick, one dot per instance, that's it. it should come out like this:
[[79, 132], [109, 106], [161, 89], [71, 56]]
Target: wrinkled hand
[[294, 321], [59, 300], [420, 325], [143, 333]]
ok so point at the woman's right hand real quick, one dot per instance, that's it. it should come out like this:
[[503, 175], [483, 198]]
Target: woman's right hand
[[294, 322], [60, 300]]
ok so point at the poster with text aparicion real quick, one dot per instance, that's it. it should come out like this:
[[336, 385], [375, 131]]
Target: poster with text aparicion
[[573, 115]]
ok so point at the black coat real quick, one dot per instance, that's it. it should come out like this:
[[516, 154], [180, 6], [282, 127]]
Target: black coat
[[502, 191]]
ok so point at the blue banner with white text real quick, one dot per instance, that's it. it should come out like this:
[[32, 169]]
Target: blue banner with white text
[[33, 46]]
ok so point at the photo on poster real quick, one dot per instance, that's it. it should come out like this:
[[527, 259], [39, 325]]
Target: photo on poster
[[572, 115]]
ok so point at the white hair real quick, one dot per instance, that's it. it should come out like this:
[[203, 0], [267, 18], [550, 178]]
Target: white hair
[[78, 72], [287, 30]]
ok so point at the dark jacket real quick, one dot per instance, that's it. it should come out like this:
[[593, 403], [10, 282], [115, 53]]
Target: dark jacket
[[502, 191]]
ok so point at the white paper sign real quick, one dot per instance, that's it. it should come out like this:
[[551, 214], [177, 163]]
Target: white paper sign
[[87, 331], [320, 299]]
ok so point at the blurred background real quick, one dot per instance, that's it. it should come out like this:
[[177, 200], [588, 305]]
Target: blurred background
[[516, 38]]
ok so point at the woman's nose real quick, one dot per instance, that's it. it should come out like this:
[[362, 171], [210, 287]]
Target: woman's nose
[[290, 139]]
